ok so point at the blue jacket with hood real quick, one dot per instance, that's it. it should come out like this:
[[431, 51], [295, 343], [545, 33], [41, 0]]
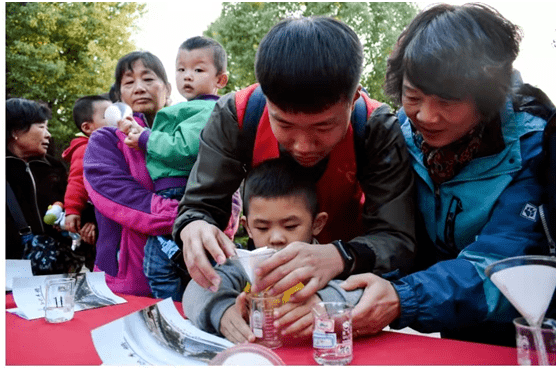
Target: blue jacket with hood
[[486, 213]]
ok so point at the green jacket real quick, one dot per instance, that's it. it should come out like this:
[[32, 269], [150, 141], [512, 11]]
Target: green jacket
[[172, 144]]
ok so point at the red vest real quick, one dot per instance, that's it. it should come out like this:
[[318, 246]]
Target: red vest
[[339, 193]]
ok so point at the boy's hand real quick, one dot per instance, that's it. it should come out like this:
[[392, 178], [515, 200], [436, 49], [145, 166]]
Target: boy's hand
[[234, 325], [73, 223], [314, 265], [87, 233], [296, 319], [199, 237]]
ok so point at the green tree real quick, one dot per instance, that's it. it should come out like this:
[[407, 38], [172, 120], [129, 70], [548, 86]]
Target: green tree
[[241, 26], [57, 52]]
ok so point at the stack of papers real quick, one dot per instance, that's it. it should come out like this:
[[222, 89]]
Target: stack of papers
[[156, 335], [91, 292]]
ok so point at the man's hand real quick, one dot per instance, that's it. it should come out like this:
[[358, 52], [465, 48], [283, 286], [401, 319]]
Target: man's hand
[[378, 306], [73, 223], [197, 238], [296, 319], [87, 233], [234, 322], [314, 265]]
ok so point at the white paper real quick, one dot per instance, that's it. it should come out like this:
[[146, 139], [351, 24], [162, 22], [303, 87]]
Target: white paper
[[17, 268], [91, 292], [156, 335], [250, 260]]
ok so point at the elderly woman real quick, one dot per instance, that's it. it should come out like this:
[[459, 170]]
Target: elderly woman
[[118, 183], [36, 178], [472, 129]]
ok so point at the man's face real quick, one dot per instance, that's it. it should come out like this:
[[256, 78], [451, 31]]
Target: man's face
[[310, 137]]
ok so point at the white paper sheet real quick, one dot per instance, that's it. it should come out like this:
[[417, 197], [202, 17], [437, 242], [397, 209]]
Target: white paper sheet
[[156, 335], [250, 260], [91, 292], [17, 268]]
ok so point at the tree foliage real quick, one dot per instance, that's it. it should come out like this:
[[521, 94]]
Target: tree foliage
[[241, 26], [58, 52]]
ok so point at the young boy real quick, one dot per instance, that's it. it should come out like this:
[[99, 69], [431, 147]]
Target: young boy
[[171, 148], [89, 115], [280, 208], [308, 70]]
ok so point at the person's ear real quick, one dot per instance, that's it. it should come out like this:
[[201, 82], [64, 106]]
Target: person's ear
[[87, 128], [222, 80], [244, 223], [168, 100], [319, 223]]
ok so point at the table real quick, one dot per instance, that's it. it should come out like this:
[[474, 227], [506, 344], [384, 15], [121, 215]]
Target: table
[[34, 342]]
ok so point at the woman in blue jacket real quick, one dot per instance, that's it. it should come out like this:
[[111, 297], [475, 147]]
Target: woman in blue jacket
[[472, 135]]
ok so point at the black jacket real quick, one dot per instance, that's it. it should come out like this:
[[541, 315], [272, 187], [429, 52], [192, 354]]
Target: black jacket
[[36, 184]]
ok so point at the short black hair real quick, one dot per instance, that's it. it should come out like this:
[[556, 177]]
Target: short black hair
[[309, 64], [202, 42], [456, 52], [279, 177], [125, 64], [84, 110], [22, 113]]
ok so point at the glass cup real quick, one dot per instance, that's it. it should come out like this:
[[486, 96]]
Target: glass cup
[[59, 299], [527, 353], [332, 338], [261, 319]]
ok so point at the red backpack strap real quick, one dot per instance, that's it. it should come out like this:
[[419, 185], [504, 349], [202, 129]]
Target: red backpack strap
[[241, 100]]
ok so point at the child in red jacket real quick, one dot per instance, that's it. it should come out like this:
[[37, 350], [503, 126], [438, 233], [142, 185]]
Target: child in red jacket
[[89, 115]]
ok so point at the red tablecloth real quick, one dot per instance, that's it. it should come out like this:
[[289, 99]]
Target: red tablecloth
[[34, 342]]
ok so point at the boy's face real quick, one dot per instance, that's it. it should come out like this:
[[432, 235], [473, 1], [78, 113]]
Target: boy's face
[[310, 137], [196, 73], [98, 119], [99, 108], [277, 222]]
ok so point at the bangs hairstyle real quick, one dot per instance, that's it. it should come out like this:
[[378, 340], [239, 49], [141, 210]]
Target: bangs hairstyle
[[456, 52], [125, 64], [277, 178], [84, 109], [308, 64], [202, 42], [22, 113]]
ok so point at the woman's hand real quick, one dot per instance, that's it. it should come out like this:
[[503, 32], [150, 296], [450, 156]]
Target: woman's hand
[[132, 140], [378, 306], [234, 322], [128, 124], [296, 319], [314, 265], [87, 233], [199, 237]]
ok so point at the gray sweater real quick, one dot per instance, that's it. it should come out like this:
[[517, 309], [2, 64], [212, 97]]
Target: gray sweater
[[205, 308]]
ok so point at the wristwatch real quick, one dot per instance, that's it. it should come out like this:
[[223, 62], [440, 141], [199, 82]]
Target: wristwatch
[[348, 259]]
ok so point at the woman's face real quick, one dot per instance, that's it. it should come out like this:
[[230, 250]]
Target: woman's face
[[143, 90], [31, 143], [440, 121]]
